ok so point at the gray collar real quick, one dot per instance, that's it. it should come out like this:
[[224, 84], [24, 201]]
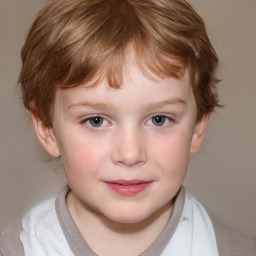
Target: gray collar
[[79, 246]]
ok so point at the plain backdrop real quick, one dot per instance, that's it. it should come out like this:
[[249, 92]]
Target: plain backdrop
[[222, 175]]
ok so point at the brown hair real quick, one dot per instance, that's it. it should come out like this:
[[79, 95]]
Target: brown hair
[[72, 42]]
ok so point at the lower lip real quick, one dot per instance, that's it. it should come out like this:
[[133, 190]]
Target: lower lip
[[128, 190]]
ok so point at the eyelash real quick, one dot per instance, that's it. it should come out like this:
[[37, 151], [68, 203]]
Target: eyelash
[[104, 122], [164, 124], [90, 126]]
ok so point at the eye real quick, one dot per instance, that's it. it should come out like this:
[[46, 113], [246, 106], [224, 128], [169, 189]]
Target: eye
[[96, 121], [159, 120]]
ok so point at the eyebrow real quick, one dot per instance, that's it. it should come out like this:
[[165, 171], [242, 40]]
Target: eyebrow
[[90, 104], [174, 101], [99, 105]]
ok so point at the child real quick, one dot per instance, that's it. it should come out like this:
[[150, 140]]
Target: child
[[121, 91]]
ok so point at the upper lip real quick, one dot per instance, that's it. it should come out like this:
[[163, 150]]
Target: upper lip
[[128, 182]]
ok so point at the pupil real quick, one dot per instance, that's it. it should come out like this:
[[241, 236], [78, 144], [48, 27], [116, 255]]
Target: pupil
[[159, 120], [96, 121]]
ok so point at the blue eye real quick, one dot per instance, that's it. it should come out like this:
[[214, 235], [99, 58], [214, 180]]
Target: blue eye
[[159, 120], [96, 121]]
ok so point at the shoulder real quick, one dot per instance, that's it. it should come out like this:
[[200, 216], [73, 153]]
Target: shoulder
[[10, 243], [231, 242], [15, 238]]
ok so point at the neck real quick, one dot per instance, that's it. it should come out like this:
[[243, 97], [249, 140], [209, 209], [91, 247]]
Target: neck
[[106, 237]]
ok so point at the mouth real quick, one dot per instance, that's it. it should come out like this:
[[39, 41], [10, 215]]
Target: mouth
[[128, 187]]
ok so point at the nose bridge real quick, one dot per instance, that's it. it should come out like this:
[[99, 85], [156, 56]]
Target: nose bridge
[[129, 148]]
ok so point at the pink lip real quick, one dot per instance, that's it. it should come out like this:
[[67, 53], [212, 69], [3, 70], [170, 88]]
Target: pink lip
[[128, 187]]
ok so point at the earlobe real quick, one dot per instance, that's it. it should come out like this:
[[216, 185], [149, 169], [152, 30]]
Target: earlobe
[[198, 134], [45, 135]]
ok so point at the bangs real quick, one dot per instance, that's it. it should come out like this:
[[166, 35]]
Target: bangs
[[73, 43], [151, 61], [87, 62]]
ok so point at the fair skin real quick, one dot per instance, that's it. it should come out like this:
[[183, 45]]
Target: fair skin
[[125, 155]]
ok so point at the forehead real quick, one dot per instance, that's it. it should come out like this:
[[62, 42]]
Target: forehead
[[137, 90]]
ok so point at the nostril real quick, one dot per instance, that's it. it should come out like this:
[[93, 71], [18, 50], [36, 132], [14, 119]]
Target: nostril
[[129, 148], [129, 157]]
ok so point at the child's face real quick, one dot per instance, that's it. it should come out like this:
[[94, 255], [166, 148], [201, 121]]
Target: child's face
[[125, 151]]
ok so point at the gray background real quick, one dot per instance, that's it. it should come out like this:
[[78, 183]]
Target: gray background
[[222, 175]]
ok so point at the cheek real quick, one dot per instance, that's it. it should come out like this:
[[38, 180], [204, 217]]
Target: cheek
[[83, 156], [172, 153]]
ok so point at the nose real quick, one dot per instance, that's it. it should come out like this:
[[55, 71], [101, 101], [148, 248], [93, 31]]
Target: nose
[[129, 149]]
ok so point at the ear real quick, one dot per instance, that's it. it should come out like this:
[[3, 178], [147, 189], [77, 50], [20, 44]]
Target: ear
[[198, 134], [45, 135]]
